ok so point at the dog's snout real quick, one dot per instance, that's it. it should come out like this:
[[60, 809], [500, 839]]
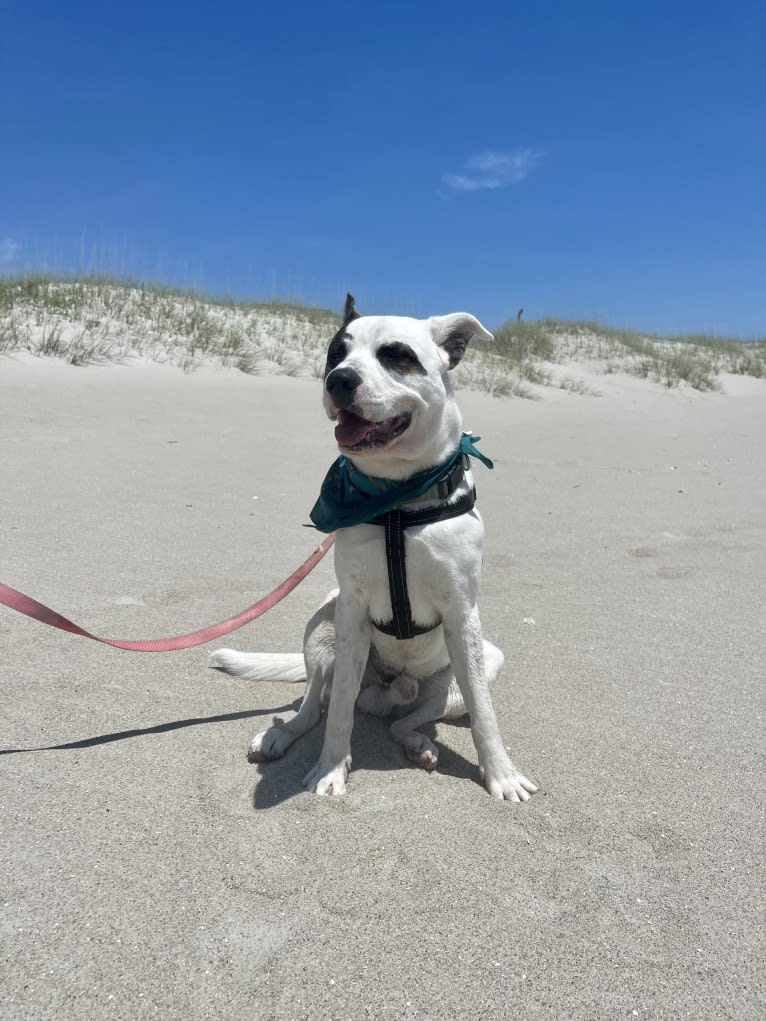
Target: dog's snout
[[341, 385]]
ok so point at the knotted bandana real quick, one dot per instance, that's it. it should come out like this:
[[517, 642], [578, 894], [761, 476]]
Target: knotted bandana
[[349, 497]]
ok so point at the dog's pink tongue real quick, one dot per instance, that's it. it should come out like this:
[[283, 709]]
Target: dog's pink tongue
[[351, 429]]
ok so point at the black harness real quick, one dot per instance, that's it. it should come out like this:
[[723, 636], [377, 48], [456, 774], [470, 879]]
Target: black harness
[[402, 626]]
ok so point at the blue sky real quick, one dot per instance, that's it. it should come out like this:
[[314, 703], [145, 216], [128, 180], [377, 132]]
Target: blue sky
[[596, 160]]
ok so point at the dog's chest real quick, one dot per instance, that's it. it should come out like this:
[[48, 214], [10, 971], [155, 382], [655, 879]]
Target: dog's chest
[[441, 565]]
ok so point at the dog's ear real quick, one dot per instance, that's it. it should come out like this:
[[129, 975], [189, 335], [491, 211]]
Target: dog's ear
[[349, 310], [452, 333]]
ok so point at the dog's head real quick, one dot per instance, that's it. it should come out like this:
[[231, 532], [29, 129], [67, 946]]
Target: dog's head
[[386, 384]]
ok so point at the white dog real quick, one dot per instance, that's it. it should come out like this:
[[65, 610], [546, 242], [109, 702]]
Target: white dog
[[402, 631]]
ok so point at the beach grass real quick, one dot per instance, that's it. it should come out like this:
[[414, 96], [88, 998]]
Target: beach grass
[[695, 360], [96, 319]]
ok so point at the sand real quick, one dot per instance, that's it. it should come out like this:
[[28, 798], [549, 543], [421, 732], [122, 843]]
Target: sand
[[149, 871]]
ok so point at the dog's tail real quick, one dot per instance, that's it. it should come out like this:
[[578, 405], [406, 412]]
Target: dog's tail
[[260, 666]]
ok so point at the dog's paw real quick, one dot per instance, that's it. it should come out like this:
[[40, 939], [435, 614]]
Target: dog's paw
[[421, 750], [508, 784], [328, 781], [416, 745], [270, 744]]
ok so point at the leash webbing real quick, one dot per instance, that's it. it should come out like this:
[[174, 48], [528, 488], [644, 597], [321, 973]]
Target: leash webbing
[[30, 607]]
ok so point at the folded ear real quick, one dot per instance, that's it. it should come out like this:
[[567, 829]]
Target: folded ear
[[349, 311], [453, 332]]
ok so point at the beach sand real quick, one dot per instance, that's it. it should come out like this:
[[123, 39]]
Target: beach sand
[[149, 871]]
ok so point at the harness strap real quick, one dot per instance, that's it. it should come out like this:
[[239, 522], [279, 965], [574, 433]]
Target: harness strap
[[402, 626], [402, 622]]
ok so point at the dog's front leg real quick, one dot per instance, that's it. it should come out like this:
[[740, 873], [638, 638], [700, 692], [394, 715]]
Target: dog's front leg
[[352, 648], [465, 646]]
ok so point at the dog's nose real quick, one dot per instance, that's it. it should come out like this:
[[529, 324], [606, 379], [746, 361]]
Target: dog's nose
[[341, 385]]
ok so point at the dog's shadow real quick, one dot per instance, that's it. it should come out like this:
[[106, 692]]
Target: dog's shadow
[[372, 748]]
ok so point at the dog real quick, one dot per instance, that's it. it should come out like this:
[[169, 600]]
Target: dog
[[387, 388]]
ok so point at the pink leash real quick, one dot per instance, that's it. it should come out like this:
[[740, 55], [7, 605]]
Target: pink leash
[[31, 608]]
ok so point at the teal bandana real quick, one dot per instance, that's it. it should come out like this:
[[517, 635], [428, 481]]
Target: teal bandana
[[349, 497]]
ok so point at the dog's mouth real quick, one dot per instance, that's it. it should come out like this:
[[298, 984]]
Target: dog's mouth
[[357, 434]]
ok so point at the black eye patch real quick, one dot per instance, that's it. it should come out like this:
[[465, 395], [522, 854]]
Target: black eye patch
[[398, 357], [337, 351]]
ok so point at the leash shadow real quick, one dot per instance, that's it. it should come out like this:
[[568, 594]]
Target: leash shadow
[[159, 728], [372, 749]]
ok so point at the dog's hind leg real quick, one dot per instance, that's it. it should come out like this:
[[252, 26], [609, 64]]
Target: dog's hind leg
[[381, 698], [443, 701], [319, 656]]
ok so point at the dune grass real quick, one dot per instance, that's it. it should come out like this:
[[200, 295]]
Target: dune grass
[[691, 359], [98, 319], [95, 319]]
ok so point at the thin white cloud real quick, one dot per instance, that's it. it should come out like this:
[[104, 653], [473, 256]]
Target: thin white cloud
[[491, 170], [9, 249]]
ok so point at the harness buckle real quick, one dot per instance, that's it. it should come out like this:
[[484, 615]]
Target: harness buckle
[[448, 483]]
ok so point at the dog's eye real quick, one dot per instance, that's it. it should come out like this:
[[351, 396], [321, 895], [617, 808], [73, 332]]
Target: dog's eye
[[398, 357], [336, 352]]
